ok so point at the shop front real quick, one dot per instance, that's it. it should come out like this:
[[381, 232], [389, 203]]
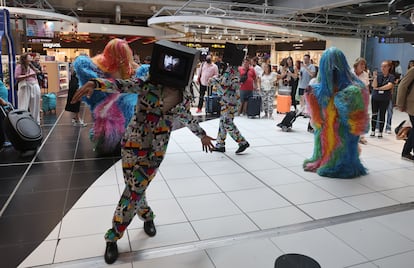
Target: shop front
[[297, 50]]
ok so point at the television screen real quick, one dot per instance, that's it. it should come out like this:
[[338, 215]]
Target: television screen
[[233, 54], [173, 64]]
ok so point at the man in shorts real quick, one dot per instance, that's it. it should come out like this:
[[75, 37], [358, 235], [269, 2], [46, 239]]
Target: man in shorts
[[306, 73]]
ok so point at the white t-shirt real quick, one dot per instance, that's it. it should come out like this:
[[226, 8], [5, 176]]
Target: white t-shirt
[[305, 76], [267, 81], [258, 70], [364, 77]]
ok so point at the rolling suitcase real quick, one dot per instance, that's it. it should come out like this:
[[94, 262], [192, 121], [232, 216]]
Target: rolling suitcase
[[254, 105], [213, 105], [284, 90], [283, 103], [287, 121], [21, 129]]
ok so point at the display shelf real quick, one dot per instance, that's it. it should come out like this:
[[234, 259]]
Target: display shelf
[[58, 75], [64, 75]]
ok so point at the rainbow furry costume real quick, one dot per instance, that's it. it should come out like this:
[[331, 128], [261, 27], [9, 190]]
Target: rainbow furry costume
[[338, 107], [111, 111]]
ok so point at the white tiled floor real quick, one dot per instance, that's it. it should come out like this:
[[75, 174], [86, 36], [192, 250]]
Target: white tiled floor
[[210, 198]]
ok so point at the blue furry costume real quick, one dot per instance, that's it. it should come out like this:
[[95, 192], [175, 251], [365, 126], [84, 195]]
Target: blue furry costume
[[111, 111], [338, 105]]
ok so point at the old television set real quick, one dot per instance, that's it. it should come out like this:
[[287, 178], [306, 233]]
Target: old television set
[[233, 54], [173, 64]]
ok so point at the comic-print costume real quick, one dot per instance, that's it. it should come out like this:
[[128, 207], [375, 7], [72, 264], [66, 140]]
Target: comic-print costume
[[228, 85], [143, 146]]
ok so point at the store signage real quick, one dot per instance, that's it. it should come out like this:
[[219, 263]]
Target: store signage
[[391, 40], [39, 40], [40, 28], [218, 46], [203, 50], [193, 45], [306, 45], [51, 45]]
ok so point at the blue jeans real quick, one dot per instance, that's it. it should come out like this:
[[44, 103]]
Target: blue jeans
[[389, 115]]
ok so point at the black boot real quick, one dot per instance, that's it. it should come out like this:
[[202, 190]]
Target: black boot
[[242, 147], [111, 252], [149, 228]]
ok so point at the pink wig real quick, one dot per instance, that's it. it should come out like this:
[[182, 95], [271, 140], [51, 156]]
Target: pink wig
[[117, 56]]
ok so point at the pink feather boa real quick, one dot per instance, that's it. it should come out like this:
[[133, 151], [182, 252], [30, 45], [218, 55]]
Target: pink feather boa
[[109, 124]]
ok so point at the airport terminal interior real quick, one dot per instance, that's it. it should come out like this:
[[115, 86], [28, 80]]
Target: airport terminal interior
[[214, 210]]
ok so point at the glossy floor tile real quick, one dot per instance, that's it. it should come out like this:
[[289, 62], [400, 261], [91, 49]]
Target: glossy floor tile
[[212, 209]]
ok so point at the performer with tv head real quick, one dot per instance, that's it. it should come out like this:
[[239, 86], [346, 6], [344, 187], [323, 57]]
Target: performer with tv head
[[228, 86], [145, 141]]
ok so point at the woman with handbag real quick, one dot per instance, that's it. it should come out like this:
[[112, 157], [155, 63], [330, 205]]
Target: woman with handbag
[[28, 93]]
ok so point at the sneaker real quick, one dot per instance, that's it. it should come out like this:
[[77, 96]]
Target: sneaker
[[380, 135], [79, 123], [221, 149], [372, 134], [242, 147], [408, 157], [198, 110], [111, 252], [388, 131]]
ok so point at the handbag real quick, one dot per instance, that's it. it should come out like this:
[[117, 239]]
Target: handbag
[[402, 131]]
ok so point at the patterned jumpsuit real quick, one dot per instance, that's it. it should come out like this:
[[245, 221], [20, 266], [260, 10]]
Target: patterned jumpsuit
[[228, 88], [143, 146]]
